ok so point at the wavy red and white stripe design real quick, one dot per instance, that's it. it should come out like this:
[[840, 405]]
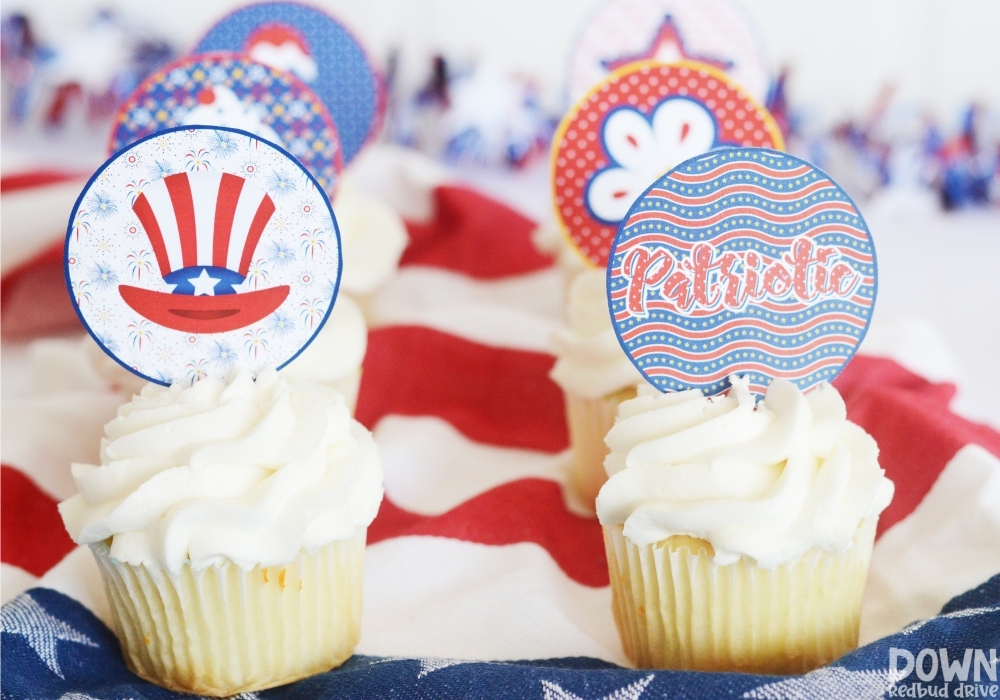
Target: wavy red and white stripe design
[[473, 553], [203, 219]]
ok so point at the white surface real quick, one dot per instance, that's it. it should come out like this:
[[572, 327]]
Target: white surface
[[945, 547], [941, 268]]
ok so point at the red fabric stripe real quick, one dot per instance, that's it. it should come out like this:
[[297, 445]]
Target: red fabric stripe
[[179, 188], [225, 210], [33, 298], [529, 510], [260, 219], [36, 178], [31, 528], [148, 220], [910, 420], [474, 235], [496, 396]]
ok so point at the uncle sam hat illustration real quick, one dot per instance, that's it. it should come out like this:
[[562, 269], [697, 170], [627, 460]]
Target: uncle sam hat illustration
[[204, 228], [200, 247]]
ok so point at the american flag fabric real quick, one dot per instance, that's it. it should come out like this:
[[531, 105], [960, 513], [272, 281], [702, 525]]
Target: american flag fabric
[[479, 581]]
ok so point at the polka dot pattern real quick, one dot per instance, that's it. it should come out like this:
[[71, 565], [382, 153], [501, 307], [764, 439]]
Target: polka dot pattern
[[578, 153]]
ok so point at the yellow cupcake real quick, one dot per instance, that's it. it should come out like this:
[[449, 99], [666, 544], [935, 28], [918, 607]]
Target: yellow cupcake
[[595, 375], [228, 521], [739, 535]]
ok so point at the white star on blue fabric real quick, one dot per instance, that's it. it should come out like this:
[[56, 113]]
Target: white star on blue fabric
[[968, 612], [26, 618], [632, 691], [428, 665], [203, 284], [831, 682]]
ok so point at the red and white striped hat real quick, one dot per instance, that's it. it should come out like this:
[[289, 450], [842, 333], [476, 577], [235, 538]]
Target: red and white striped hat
[[204, 219]]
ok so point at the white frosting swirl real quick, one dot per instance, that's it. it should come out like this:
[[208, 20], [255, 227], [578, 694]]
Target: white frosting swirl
[[768, 480], [338, 349], [373, 238], [590, 362], [252, 472]]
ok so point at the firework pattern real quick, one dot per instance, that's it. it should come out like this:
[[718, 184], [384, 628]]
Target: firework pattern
[[759, 209], [102, 255], [290, 108]]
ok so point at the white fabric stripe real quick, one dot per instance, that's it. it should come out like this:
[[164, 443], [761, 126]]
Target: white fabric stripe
[[432, 596], [78, 577], [205, 194], [163, 209], [34, 218], [946, 546], [518, 312], [55, 431], [430, 468], [14, 580], [246, 209]]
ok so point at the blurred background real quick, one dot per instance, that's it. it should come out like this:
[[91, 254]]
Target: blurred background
[[899, 100], [908, 64], [939, 54]]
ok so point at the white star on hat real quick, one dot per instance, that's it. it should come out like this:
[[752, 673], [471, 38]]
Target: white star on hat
[[203, 284], [26, 618]]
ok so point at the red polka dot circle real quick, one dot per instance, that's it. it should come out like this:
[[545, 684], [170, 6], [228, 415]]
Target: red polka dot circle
[[583, 147]]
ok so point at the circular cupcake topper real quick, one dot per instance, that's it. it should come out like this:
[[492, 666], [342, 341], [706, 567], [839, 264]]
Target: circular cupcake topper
[[716, 32], [746, 261], [319, 51], [230, 253], [222, 89], [634, 126]]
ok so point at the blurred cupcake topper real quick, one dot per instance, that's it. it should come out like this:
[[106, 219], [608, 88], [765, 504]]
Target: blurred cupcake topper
[[714, 32], [742, 261], [318, 50], [232, 256], [223, 89], [636, 124]]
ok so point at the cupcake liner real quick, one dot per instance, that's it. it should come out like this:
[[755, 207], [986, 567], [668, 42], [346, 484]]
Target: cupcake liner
[[589, 421], [224, 630], [676, 609]]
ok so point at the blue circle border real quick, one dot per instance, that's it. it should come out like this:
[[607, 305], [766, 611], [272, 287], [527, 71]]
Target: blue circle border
[[197, 127], [769, 152]]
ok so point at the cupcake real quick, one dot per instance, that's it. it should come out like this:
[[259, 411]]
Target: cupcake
[[739, 533], [113, 374], [334, 357], [373, 237], [595, 375], [228, 521], [550, 240]]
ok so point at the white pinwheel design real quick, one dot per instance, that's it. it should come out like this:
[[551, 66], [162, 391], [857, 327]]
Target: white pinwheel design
[[644, 149]]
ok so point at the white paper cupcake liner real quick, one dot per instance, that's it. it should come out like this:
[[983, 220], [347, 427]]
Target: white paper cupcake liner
[[224, 630], [676, 609]]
